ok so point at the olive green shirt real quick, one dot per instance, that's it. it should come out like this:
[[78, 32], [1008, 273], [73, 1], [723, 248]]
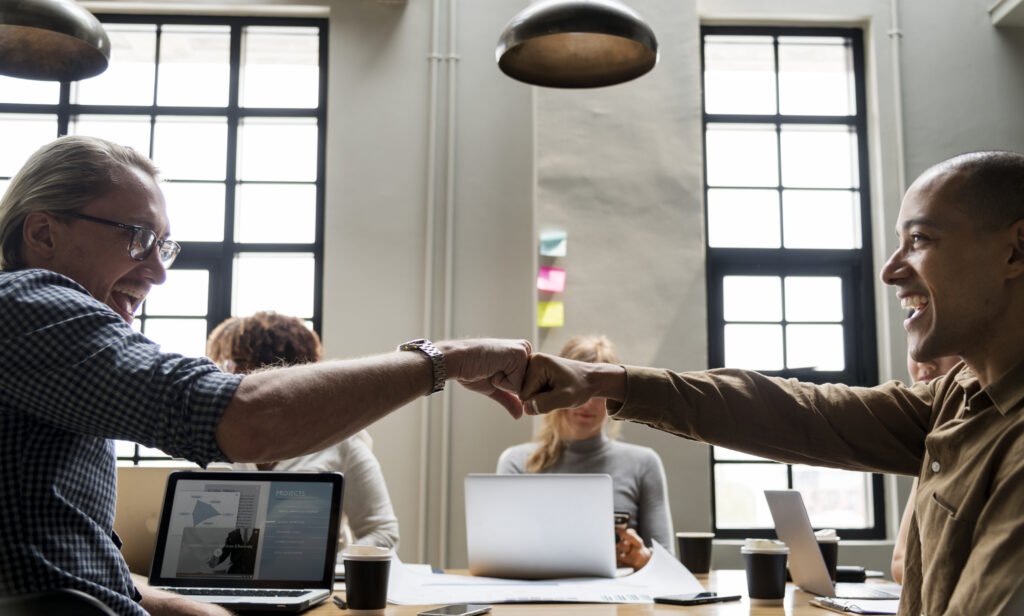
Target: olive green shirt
[[965, 551]]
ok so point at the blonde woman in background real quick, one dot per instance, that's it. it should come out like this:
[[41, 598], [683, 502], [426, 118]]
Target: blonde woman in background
[[267, 339], [581, 440]]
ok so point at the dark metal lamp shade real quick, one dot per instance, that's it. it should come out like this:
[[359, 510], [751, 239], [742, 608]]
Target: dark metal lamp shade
[[576, 44], [51, 40]]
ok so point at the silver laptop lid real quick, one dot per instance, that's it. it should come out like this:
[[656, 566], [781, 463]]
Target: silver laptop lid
[[793, 526], [540, 526], [237, 529]]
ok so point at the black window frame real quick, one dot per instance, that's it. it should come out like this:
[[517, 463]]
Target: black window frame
[[854, 267], [216, 257]]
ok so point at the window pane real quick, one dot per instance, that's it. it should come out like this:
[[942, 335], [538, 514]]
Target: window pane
[[722, 453], [184, 336], [29, 91], [184, 293], [743, 218], [754, 347], [816, 76], [815, 346], [129, 78], [150, 452], [742, 155], [195, 66], [3, 187], [739, 494], [124, 449], [814, 298], [739, 74], [273, 149], [132, 131], [23, 135], [816, 156], [196, 211], [821, 219], [280, 67], [190, 148], [752, 298], [835, 498], [283, 283], [268, 213]]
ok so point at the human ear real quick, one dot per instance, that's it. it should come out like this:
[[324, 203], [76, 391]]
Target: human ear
[[37, 237], [1015, 264]]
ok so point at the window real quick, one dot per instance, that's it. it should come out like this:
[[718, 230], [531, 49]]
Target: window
[[790, 278], [233, 112]]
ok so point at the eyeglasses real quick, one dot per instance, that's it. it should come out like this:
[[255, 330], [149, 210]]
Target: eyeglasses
[[142, 241]]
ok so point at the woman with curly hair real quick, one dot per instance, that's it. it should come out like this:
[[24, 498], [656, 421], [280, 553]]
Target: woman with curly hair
[[265, 340]]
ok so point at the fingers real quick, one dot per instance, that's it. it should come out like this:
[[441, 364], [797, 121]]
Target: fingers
[[511, 403]]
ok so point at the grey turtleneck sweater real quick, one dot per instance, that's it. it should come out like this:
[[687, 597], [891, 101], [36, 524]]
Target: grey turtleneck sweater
[[637, 475]]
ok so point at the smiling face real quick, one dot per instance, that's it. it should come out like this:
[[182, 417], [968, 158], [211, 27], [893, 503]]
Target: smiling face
[[948, 271], [96, 255], [585, 421]]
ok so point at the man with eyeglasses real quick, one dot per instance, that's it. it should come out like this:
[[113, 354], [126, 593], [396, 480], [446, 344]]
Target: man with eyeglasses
[[83, 238]]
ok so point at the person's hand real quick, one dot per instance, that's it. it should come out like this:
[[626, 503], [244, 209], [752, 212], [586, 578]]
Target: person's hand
[[490, 366], [558, 383], [630, 551]]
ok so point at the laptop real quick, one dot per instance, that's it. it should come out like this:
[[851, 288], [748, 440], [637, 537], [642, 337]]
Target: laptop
[[249, 540], [540, 526], [806, 564], [140, 494]]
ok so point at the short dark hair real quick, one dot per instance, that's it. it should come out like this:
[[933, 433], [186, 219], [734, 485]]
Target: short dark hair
[[990, 184]]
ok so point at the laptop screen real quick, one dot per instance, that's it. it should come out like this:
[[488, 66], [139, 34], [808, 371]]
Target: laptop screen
[[248, 530]]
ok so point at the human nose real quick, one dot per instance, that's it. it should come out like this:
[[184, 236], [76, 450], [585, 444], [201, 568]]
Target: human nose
[[893, 270], [156, 271]]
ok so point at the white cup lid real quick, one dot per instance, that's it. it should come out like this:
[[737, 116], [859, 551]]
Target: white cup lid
[[366, 552]]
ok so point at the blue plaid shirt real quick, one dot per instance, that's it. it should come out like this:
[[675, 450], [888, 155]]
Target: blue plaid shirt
[[74, 375]]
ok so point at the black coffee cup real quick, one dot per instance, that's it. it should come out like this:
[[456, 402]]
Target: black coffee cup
[[830, 552], [765, 562], [367, 569], [694, 550]]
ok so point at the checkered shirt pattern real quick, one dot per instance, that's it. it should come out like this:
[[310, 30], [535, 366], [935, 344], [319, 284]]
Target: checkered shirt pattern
[[73, 376]]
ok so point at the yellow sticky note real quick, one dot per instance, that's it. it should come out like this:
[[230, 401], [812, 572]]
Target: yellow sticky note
[[550, 314]]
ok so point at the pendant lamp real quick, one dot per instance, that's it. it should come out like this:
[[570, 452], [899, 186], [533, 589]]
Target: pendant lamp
[[576, 44], [51, 40]]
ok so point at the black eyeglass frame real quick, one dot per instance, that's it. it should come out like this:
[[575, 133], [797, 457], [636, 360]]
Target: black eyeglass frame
[[137, 255]]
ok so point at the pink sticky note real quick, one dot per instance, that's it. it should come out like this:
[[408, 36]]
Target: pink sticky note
[[551, 279]]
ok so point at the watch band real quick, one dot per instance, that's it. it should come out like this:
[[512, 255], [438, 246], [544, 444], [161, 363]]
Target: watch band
[[436, 360]]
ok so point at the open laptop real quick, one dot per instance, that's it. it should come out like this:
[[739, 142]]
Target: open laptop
[[806, 564], [249, 540], [140, 495], [540, 526]]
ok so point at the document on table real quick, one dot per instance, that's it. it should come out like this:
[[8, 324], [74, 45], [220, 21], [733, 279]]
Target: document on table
[[858, 606], [663, 575]]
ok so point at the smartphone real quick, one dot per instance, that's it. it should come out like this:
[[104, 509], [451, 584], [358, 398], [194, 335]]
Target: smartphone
[[456, 609], [621, 522], [696, 598]]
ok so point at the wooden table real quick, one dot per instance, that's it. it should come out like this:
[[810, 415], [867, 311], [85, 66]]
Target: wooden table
[[723, 582]]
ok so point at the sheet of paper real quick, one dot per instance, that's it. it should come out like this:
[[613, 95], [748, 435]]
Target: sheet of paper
[[663, 575], [550, 314], [551, 279], [553, 243]]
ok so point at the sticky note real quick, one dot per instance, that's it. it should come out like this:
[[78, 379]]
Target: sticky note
[[553, 243], [551, 279], [550, 314]]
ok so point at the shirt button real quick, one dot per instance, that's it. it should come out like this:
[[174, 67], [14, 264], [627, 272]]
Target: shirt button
[[936, 467]]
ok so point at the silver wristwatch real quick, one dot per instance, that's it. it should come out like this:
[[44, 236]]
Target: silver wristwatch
[[436, 360]]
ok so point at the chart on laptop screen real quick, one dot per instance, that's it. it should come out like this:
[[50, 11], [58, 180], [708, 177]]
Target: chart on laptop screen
[[251, 530]]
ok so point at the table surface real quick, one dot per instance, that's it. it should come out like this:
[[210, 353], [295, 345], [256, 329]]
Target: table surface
[[796, 603]]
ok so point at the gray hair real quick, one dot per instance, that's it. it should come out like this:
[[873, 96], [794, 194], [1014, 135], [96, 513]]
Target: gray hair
[[63, 175]]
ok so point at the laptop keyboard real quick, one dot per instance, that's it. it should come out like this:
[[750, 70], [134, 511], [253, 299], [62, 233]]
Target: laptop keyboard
[[240, 592]]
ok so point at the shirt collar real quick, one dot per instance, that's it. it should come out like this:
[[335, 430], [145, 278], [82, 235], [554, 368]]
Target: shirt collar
[[1007, 393]]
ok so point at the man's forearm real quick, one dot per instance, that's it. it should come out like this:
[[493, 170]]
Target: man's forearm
[[163, 603], [283, 413]]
